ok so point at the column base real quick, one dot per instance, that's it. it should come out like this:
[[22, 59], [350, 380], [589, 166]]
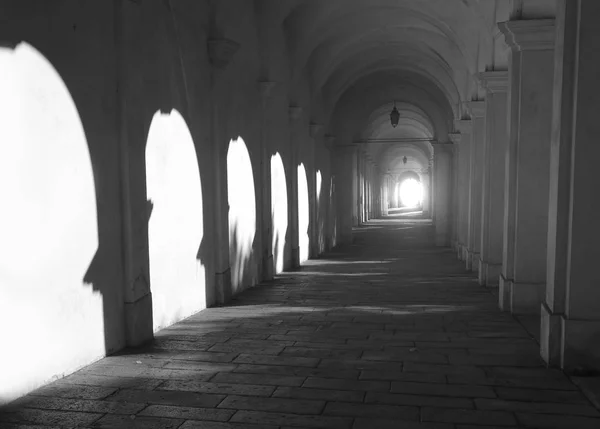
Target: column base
[[580, 346], [504, 293], [550, 336], [223, 286], [267, 268], [295, 257], [468, 259], [138, 321], [520, 298], [489, 274]]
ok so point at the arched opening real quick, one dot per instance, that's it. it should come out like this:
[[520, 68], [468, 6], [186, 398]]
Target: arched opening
[[175, 226], [48, 228], [303, 215], [410, 193], [279, 211], [242, 213]]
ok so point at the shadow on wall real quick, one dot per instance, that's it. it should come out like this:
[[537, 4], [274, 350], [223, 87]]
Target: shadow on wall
[[242, 215], [303, 214], [279, 211], [175, 227], [332, 213], [49, 227]]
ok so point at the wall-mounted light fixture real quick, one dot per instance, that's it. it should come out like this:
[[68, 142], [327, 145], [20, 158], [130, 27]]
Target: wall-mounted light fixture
[[404, 160], [394, 116]]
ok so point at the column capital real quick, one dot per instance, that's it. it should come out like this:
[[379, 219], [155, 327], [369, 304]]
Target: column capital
[[295, 112], [265, 88], [314, 129], [494, 81], [463, 126], [347, 148], [477, 108], [221, 51], [529, 35], [329, 141], [455, 138]]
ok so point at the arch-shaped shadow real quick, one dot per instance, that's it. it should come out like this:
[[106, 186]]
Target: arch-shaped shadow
[[175, 227], [279, 211], [49, 228], [303, 214], [242, 214]]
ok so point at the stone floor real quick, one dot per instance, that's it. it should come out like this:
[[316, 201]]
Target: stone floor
[[389, 332]]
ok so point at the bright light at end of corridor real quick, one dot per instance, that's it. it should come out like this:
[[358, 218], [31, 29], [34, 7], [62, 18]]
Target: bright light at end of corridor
[[411, 193]]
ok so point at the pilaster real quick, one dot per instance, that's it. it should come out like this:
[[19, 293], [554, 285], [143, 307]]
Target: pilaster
[[442, 153], [477, 109]]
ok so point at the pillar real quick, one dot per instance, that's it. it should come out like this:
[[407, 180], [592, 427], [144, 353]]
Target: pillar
[[570, 322], [426, 184], [462, 141], [494, 152], [442, 153], [295, 114], [346, 176], [523, 276], [475, 187], [265, 89], [314, 131]]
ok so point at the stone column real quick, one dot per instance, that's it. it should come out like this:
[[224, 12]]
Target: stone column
[[265, 89], [346, 174], [477, 137], [494, 153], [523, 276], [295, 113], [442, 153], [570, 323], [426, 184], [314, 130], [463, 143]]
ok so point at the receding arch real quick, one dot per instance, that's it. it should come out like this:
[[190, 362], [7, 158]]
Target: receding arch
[[242, 213], [175, 227], [48, 228], [279, 211]]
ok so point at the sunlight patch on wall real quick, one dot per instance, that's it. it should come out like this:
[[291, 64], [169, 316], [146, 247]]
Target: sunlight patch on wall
[[279, 211], [242, 212], [303, 214], [53, 322], [175, 228]]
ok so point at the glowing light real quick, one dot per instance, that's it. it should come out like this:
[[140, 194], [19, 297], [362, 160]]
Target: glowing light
[[279, 211], [242, 213], [303, 214], [48, 229], [411, 193], [175, 228]]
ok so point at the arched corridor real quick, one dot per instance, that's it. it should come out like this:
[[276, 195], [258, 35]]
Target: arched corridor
[[211, 187]]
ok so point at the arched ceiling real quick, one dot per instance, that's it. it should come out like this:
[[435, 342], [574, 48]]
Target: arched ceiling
[[359, 56]]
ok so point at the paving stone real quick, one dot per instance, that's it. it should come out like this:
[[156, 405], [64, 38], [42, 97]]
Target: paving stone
[[369, 423], [443, 390], [276, 360], [111, 421], [520, 382], [417, 400], [81, 405], [537, 407], [76, 392], [337, 384], [201, 366], [402, 376], [218, 388], [120, 382], [477, 417], [457, 370], [193, 424], [319, 394], [538, 395], [187, 413], [403, 413], [405, 357], [279, 405], [164, 397], [551, 421], [351, 374], [294, 420], [49, 417], [262, 379]]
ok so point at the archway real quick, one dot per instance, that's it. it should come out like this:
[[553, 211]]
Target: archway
[[279, 211], [175, 227], [303, 215], [242, 213], [48, 228]]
